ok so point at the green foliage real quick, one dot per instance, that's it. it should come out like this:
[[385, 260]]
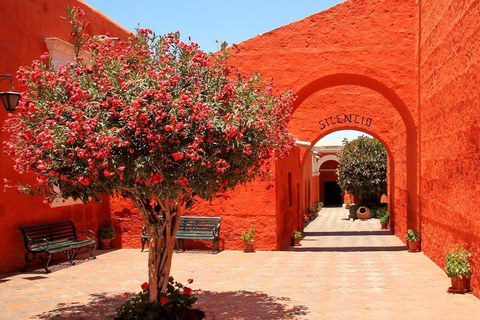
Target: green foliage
[[458, 265], [318, 206], [248, 235], [297, 234], [363, 169], [353, 211], [106, 232], [412, 235], [175, 302], [385, 217], [378, 211]]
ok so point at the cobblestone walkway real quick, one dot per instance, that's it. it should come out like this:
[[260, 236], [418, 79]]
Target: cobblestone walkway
[[342, 270]]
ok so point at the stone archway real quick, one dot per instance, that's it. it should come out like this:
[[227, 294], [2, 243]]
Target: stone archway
[[394, 135]]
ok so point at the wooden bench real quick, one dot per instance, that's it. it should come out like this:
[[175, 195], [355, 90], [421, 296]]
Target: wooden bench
[[44, 241], [194, 228], [199, 228]]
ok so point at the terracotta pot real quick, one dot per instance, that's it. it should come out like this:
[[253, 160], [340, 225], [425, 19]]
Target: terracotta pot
[[105, 243], [296, 241], [384, 225], [363, 213], [413, 246], [459, 285], [248, 246]]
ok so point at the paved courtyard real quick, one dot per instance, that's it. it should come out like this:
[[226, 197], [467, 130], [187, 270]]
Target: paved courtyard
[[342, 270]]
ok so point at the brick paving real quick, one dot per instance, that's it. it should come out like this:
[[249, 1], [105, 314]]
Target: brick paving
[[343, 270]]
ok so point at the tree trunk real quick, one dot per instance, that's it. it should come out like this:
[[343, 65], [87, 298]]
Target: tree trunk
[[162, 223]]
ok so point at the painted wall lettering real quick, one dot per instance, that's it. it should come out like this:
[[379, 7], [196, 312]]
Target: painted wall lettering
[[345, 118]]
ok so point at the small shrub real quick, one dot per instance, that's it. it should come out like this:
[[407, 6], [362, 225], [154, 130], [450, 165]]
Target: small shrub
[[297, 234], [248, 235], [412, 235], [385, 218], [458, 265], [173, 305], [353, 211], [106, 232]]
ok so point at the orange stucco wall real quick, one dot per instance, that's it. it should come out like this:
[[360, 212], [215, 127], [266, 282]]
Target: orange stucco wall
[[355, 59], [24, 24], [449, 81]]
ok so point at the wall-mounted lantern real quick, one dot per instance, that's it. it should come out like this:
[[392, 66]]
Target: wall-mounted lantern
[[9, 98]]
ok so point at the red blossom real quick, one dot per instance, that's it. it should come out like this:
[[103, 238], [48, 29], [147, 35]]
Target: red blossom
[[187, 290], [144, 286], [164, 301]]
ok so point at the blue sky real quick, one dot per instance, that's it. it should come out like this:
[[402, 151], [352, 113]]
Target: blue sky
[[206, 21], [209, 21]]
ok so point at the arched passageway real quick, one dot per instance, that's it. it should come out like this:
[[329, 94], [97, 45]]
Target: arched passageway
[[357, 102]]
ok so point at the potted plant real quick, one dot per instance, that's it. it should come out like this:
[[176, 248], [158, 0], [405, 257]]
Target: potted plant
[[319, 206], [311, 213], [348, 204], [106, 235], [247, 237], [458, 270], [384, 221], [297, 236], [413, 241], [383, 215]]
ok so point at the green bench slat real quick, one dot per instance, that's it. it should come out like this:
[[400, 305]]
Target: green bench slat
[[193, 228]]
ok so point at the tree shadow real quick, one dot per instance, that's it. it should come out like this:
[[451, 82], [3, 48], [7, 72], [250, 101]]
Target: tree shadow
[[247, 305], [101, 306], [223, 305], [60, 262]]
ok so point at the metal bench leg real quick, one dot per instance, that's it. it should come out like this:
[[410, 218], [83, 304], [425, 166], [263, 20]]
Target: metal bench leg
[[46, 262], [71, 255], [27, 262], [90, 250]]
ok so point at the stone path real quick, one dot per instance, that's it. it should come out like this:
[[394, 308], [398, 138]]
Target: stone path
[[342, 270]]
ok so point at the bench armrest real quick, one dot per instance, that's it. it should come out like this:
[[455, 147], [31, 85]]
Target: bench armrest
[[89, 234], [40, 243]]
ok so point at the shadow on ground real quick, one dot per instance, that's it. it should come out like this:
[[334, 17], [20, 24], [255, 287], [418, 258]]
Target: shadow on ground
[[247, 305], [101, 306], [223, 305]]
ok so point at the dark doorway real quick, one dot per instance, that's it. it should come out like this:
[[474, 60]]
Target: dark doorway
[[333, 194]]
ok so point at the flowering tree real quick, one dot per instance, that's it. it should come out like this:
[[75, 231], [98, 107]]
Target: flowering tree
[[152, 119]]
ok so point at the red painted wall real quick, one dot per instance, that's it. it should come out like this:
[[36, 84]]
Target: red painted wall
[[24, 24], [449, 81]]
